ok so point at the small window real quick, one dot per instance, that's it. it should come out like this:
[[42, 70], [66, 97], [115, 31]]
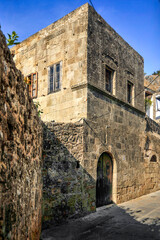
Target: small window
[[129, 92], [55, 77], [32, 82], [153, 158], [108, 79]]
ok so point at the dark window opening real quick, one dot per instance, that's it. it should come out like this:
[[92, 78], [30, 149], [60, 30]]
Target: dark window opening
[[108, 79], [129, 92], [153, 158], [77, 164]]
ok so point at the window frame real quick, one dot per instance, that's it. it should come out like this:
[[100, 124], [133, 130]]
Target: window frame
[[30, 84], [131, 101], [111, 79], [54, 77]]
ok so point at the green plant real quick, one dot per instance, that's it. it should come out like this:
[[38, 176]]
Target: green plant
[[156, 73], [148, 103], [40, 111], [27, 80], [12, 39]]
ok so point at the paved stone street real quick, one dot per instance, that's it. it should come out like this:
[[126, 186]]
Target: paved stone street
[[137, 219]]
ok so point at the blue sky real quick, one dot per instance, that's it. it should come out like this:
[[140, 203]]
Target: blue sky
[[137, 21]]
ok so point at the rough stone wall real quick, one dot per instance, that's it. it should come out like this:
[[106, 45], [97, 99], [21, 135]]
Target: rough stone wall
[[65, 40], [20, 154], [67, 187]]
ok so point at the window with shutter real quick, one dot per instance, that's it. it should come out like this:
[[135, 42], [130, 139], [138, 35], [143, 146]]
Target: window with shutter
[[32, 82]]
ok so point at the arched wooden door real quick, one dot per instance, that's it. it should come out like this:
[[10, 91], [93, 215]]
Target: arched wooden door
[[104, 180]]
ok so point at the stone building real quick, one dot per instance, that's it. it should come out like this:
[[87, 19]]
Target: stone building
[[98, 145], [152, 96]]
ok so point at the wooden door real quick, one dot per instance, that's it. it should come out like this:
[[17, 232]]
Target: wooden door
[[104, 180]]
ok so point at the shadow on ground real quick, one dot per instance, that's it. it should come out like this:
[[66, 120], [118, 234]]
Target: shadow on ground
[[111, 223]]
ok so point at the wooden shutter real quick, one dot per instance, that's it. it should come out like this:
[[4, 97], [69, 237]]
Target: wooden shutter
[[30, 85], [34, 84]]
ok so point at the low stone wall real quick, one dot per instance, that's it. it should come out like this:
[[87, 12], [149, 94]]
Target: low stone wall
[[67, 187], [20, 154]]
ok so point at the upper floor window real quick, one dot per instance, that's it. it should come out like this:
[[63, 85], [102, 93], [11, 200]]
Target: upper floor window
[[55, 76], [32, 83], [130, 92], [108, 79]]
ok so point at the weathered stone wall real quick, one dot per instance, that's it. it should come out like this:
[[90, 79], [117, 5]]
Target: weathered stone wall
[[65, 40], [124, 134], [67, 187], [20, 154], [106, 48], [115, 126], [119, 131]]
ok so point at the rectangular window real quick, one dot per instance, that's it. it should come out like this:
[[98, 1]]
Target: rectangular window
[[108, 79], [129, 92], [32, 82], [55, 75]]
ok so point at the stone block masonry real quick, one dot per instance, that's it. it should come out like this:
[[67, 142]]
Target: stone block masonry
[[20, 155]]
